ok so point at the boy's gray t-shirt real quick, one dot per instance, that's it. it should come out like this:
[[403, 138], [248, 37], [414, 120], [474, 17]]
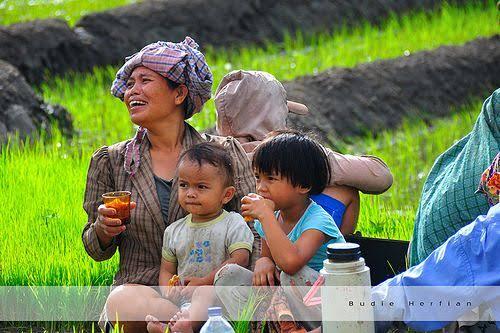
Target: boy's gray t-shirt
[[199, 248]]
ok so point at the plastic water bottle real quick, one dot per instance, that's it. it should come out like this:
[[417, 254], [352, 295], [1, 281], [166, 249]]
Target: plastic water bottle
[[216, 323], [348, 285]]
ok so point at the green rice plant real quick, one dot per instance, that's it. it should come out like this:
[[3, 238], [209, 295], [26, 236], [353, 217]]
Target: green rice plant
[[15, 11], [31, 327], [42, 193], [410, 152], [117, 328], [102, 119], [245, 316], [43, 184]]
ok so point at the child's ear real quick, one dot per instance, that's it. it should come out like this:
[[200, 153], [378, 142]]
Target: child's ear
[[228, 194], [304, 190]]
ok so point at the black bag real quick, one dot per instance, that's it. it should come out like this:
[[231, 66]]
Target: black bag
[[385, 257]]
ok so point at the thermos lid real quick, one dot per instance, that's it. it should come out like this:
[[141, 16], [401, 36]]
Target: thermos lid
[[343, 252]]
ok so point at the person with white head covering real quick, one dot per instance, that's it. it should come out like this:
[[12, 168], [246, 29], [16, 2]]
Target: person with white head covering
[[251, 104]]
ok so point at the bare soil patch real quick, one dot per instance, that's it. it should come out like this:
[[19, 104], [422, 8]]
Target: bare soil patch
[[105, 38], [23, 111], [376, 96]]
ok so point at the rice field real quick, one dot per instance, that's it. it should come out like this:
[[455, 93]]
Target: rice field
[[16, 11], [41, 242], [43, 181]]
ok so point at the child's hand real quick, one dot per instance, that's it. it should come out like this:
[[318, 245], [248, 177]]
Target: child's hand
[[190, 285], [173, 293], [256, 206], [265, 273]]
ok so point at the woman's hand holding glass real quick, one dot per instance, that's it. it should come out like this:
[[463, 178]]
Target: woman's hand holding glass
[[107, 225]]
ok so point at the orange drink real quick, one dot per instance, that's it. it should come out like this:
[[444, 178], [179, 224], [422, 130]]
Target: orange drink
[[120, 201]]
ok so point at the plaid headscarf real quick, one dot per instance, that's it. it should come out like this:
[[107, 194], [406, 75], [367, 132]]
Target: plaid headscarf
[[490, 182], [181, 63]]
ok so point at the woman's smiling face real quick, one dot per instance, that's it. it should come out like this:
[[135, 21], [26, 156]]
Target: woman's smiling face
[[148, 97]]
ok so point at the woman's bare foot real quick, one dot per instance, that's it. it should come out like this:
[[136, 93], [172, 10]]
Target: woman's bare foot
[[181, 323], [154, 325]]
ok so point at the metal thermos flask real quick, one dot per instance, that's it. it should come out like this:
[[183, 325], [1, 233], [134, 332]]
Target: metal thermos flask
[[346, 293]]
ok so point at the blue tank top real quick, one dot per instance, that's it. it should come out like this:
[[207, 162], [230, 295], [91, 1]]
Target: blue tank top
[[332, 206]]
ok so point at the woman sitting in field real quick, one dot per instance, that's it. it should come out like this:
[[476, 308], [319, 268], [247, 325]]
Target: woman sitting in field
[[250, 104], [162, 85]]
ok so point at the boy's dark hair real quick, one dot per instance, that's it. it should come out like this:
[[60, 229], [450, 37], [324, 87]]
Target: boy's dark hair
[[294, 156], [214, 154]]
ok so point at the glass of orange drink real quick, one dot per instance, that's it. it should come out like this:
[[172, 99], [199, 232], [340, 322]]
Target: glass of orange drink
[[120, 201]]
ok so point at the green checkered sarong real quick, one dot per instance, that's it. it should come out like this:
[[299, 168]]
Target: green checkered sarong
[[449, 201]]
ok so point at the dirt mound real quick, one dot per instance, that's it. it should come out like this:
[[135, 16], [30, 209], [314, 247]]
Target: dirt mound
[[376, 96], [22, 110], [107, 37], [42, 46]]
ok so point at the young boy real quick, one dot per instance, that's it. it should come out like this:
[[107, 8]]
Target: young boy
[[196, 246]]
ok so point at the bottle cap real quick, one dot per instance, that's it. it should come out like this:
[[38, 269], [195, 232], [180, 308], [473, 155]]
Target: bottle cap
[[343, 252], [215, 311]]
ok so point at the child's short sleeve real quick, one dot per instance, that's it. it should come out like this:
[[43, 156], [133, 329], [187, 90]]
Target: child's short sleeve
[[317, 218], [258, 228], [239, 235], [168, 248]]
